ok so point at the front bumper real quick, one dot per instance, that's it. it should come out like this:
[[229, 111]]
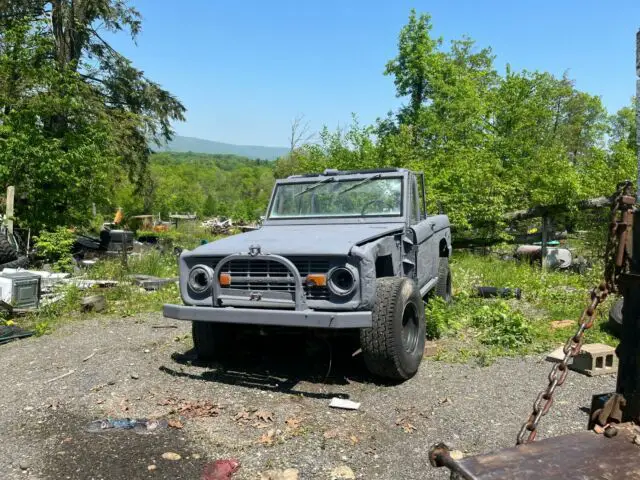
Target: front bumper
[[259, 316]]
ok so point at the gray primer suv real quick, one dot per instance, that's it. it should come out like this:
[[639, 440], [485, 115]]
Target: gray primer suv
[[338, 250]]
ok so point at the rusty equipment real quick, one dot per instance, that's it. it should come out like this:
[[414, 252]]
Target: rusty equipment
[[616, 452]]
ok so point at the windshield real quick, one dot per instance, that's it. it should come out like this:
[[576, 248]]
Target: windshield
[[332, 197]]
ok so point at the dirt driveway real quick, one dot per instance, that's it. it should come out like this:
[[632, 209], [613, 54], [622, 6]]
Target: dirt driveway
[[268, 408]]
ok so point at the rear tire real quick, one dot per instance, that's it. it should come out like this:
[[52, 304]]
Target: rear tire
[[443, 287], [212, 341], [394, 346]]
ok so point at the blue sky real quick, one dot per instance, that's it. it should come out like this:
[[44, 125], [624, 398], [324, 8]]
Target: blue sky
[[245, 69]]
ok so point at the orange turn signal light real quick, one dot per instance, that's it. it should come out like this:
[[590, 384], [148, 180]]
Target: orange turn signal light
[[225, 279], [317, 280]]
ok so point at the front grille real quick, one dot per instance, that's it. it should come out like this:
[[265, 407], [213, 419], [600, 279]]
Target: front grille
[[262, 274]]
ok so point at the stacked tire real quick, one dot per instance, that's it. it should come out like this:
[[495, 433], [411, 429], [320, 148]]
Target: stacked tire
[[9, 256]]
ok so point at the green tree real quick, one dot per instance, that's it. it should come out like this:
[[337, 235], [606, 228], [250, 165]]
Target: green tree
[[75, 115]]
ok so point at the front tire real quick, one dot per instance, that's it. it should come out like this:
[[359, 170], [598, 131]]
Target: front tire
[[394, 346], [212, 341]]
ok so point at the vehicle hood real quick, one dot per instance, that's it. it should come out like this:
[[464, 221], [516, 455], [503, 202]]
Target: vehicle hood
[[300, 239]]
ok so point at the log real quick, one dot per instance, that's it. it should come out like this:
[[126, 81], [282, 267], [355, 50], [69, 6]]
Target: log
[[543, 210]]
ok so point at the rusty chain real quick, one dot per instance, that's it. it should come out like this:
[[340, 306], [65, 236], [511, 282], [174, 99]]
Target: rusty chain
[[616, 262]]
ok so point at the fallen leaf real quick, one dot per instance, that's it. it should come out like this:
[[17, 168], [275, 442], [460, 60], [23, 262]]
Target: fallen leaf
[[242, 416], [171, 456], [190, 409], [175, 423], [264, 415], [268, 438], [406, 426], [293, 422]]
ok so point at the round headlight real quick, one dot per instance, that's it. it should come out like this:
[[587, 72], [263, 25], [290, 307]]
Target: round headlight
[[200, 278], [341, 281]]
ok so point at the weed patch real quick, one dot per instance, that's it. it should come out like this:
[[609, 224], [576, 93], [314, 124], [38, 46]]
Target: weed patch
[[483, 329]]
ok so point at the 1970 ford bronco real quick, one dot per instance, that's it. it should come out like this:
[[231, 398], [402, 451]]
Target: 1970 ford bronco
[[337, 250]]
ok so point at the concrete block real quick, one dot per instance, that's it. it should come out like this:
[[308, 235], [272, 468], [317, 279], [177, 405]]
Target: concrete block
[[596, 359], [557, 355]]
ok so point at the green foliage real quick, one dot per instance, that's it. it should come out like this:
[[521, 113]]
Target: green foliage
[[208, 185], [472, 327], [501, 326], [55, 247], [489, 143], [76, 117]]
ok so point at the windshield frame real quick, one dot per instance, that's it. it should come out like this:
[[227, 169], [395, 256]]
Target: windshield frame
[[332, 219]]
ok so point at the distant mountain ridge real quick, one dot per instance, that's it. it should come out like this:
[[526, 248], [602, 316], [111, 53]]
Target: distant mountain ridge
[[199, 145]]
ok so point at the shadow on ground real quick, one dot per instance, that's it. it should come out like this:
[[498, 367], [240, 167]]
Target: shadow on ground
[[286, 363]]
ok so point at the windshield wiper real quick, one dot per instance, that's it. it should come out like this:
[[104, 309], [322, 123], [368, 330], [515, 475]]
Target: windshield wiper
[[366, 180], [314, 186]]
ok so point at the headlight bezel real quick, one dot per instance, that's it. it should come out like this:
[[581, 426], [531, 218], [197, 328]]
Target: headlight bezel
[[200, 279], [336, 278]]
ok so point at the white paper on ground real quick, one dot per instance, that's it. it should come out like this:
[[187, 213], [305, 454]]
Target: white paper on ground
[[342, 403]]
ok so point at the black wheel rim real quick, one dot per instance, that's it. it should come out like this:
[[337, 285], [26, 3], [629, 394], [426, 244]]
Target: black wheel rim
[[410, 327]]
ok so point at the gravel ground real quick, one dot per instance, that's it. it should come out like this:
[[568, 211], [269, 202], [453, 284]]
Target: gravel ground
[[130, 368]]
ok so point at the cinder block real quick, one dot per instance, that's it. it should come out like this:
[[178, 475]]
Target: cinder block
[[595, 359]]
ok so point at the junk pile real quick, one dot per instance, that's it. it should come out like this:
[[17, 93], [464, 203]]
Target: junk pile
[[9, 252], [557, 258], [226, 226], [111, 241]]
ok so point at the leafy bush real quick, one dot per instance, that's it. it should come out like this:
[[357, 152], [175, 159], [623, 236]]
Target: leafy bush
[[501, 326], [444, 319], [55, 247]]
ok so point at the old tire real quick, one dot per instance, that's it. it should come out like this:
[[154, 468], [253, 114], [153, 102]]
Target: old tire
[[443, 287], [393, 347], [7, 252], [20, 262], [615, 317], [211, 341]]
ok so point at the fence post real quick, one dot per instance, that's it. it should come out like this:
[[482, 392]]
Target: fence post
[[11, 191]]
